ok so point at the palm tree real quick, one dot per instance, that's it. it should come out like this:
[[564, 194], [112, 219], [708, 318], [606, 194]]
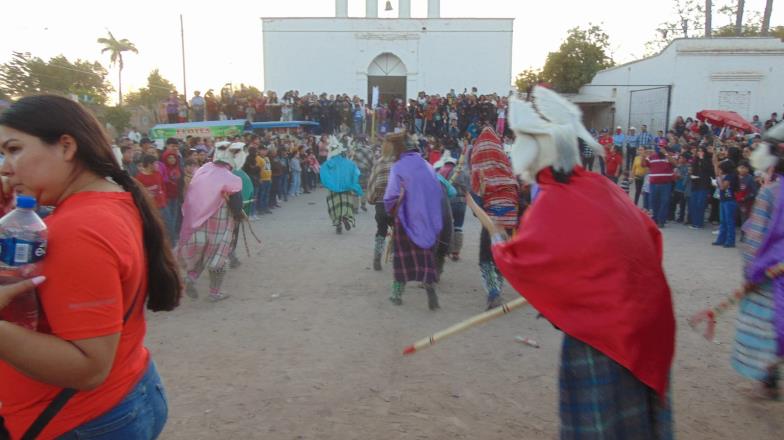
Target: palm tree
[[116, 47]]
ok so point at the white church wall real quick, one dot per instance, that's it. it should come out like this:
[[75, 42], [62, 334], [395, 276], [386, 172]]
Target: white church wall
[[333, 55], [738, 74]]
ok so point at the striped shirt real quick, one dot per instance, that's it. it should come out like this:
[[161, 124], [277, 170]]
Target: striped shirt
[[660, 169]]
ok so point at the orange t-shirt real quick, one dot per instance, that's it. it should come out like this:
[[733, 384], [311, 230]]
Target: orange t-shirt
[[94, 267]]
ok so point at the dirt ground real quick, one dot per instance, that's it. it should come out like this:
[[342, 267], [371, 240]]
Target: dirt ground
[[309, 347]]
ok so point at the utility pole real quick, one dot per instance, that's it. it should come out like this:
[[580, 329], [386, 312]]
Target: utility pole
[[182, 39], [708, 18], [766, 17], [739, 18]]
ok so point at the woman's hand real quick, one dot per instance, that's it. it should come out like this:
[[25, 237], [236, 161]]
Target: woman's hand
[[11, 291]]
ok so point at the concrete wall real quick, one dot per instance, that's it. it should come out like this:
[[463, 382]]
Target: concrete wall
[[332, 55], [739, 74]]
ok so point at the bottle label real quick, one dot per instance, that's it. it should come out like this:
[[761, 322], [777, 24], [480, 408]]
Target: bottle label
[[17, 252]]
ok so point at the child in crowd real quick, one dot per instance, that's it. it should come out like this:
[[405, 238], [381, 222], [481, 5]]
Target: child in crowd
[[747, 190], [646, 194], [152, 181], [682, 179], [191, 165], [727, 185], [625, 184]]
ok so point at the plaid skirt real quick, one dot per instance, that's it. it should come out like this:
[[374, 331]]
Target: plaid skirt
[[210, 245], [411, 262], [342, 205], [600, 399]]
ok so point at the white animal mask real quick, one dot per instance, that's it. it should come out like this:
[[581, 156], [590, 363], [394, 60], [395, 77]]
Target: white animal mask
[[546, 129]]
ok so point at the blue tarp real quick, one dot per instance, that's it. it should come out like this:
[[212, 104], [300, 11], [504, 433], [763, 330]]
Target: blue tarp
[[281, 124]]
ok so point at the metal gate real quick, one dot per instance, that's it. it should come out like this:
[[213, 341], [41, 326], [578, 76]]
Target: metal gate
[[649, 107]]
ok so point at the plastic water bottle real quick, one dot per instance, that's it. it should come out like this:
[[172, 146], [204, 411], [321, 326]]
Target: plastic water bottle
[[22, 249]]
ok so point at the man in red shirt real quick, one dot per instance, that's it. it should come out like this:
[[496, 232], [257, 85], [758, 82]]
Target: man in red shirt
[[661, 172], [606, 141]]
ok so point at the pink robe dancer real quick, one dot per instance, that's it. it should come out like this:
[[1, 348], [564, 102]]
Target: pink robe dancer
[[207, 226]]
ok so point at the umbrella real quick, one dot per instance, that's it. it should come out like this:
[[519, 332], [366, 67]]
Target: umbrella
[[723, 118]]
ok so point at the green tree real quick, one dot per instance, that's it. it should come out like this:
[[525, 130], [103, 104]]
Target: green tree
[[157, 90], [26, 75], [527, 79], [118, 117], [116, 48], [581, 55], [15, 77]]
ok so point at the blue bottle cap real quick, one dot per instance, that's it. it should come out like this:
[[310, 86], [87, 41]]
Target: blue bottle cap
[[25, 202]]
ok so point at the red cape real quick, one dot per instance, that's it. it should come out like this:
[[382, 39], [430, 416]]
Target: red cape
[[590, 261]]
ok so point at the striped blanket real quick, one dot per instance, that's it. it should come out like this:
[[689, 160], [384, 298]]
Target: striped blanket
[[755, 338], [209, 246], [493, 179], [411, 262], [341, 206]]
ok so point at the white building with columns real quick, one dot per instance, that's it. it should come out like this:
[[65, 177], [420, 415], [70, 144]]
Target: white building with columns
[[402, 56]]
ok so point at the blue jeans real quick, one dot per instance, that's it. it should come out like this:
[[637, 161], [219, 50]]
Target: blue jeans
[[697, 202], [660, 201], [170, 217], [296, 183], [283, 187], [141, 415], [263, 196], [727, 211]]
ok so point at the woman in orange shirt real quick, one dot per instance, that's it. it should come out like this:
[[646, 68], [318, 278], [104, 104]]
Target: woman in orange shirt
[[85, 372]]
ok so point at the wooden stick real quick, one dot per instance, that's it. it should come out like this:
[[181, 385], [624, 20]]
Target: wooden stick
[[465, 325], [708, 316], [480, 213]]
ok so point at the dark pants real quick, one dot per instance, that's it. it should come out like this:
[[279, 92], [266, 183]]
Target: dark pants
[[458, 214], [631, 153], [276, 184], [714, 216], [383, 220], [660, 201], [263, 196], [697, 201], [678, 203], [638, 181], [728, 209], [588, 162]]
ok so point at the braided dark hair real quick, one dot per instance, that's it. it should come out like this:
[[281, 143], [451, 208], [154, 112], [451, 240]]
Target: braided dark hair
[[49, 117]]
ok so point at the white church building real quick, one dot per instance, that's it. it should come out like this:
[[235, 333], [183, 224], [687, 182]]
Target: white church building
[[401, 56], [738, 74]]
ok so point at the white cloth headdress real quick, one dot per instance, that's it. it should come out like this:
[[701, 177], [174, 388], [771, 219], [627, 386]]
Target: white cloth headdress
[[335, 147], [546, 130]]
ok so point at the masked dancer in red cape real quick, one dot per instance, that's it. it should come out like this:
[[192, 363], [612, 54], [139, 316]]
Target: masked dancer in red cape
[[494, 183], [606, 289]]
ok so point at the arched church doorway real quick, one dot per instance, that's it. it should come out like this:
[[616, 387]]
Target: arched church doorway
[[388, 73]]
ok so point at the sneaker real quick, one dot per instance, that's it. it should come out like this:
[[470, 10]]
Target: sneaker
[[347, 224], [396, 300], [715, 232], [716, 243], [729, 246], [220, 296]]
